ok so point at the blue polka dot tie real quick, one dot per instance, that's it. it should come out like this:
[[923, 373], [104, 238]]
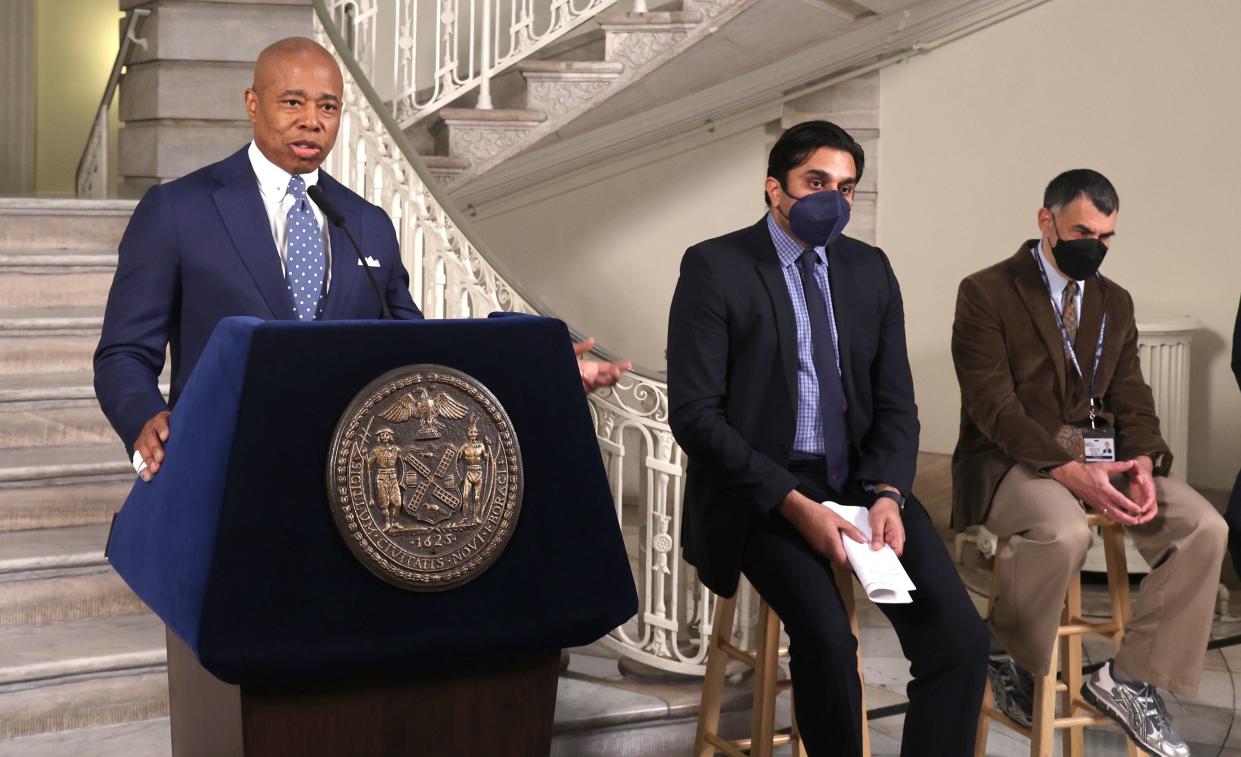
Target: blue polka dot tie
[[305, 262]]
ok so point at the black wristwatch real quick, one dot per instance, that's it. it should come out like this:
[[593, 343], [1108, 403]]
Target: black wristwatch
[[894, 496]]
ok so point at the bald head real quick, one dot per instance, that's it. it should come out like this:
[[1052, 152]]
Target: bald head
[[294, 103], [277, 54]]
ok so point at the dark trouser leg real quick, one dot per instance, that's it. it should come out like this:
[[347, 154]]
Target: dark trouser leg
[[1233, 516], [940, 632], [946, 643], [799, 586]]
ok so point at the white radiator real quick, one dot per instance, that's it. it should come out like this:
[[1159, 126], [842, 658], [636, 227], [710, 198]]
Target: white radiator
[[1163, 347]]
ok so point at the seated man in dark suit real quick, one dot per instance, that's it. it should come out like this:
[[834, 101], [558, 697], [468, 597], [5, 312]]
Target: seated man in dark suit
[[789, 384], [241, 237], [1056, 418]]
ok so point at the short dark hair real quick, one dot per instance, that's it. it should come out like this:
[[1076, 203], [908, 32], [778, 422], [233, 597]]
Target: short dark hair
[[1070, 185], [795, 146]]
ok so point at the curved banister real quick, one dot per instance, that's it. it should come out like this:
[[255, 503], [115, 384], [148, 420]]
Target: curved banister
[[397, 135], [453, 275]]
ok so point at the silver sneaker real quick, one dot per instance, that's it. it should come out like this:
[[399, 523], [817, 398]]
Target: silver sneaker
[[1138, 709], [1012, 689]]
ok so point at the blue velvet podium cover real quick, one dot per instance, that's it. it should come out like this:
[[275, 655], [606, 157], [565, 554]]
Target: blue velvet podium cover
[[233, 546]]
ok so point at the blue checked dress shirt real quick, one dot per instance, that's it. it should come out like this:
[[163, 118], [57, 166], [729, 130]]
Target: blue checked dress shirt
[[307, 263], [808, 438]]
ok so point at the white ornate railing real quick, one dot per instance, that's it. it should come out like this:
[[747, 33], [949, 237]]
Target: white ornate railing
[[453, 277], [92, 173], [442, 49]]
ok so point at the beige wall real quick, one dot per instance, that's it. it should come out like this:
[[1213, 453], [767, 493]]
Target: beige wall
[[76, 44], [603, 249], [1144, 91]]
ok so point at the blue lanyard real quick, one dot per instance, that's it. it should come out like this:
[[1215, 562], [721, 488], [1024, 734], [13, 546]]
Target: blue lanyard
[[1068, 343]]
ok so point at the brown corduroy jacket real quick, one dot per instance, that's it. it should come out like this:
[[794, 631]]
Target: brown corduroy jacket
[[1018, 389]]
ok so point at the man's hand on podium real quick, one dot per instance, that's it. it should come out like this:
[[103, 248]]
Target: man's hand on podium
[[150, 445], [596, 374]]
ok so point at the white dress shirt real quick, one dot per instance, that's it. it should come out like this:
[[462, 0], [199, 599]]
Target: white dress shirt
[[1058, 282]]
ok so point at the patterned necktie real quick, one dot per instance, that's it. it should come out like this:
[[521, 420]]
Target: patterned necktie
[[832, 403], [305, 262], [1068, 307]]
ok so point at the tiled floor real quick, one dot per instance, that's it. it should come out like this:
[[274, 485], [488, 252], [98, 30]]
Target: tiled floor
[[1209, 722]]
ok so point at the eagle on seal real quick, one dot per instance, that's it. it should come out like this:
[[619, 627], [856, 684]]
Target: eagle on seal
[[426, 410]]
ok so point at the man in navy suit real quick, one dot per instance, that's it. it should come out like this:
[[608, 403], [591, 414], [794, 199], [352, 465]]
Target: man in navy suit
[[241, 237], [789, 385]]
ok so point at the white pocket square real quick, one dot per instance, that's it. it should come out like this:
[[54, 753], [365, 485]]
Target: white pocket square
[[370, 262]]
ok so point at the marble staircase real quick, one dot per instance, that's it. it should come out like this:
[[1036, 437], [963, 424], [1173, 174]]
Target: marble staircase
[[77, 648], [571, 77]]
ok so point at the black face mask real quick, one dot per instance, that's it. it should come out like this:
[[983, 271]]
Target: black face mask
[[1077, 258]]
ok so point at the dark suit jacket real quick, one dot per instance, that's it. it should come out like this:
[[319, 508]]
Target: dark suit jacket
[[199, 249], [1018, 389], [732, 386]]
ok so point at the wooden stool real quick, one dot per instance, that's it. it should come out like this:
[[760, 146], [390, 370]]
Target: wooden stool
[[764, 659], [1067, 656]]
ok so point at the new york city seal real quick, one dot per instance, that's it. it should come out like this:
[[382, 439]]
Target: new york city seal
[[424, 477]]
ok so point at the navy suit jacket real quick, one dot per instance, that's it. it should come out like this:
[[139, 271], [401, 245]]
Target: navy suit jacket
[[200, 249], [732, 386]]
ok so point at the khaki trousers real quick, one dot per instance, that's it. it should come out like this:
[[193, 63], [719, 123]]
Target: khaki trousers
[[1165, 641]]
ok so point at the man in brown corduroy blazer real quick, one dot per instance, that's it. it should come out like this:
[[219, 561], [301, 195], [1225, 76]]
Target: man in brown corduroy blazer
[[1044, 345]]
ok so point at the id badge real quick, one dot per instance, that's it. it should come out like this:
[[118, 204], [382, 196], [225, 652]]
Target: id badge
[[1100, 445]]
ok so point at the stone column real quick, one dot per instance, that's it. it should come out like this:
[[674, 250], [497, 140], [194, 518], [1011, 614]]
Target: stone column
[[17, 83], [181, 100]]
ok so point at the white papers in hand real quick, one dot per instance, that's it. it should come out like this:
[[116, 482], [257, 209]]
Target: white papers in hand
[[879, 571]]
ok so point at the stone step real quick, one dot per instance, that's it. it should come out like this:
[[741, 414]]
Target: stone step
[[57, 574], [119, 697], [56, 260], [636, 39], [39, 318], [38, 504], [49, 343], [65, 594], [53, 389], [81, 647], [55, 278], [557, 87], [68, 224], [652, 19], [62, 464], [584, 43], [476, 135], [47, 387], [51, 549], [571, 67], [445, 167], [37, 424], [144, 738]]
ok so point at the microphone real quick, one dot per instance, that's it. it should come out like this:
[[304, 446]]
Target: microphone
[[337, 219]]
